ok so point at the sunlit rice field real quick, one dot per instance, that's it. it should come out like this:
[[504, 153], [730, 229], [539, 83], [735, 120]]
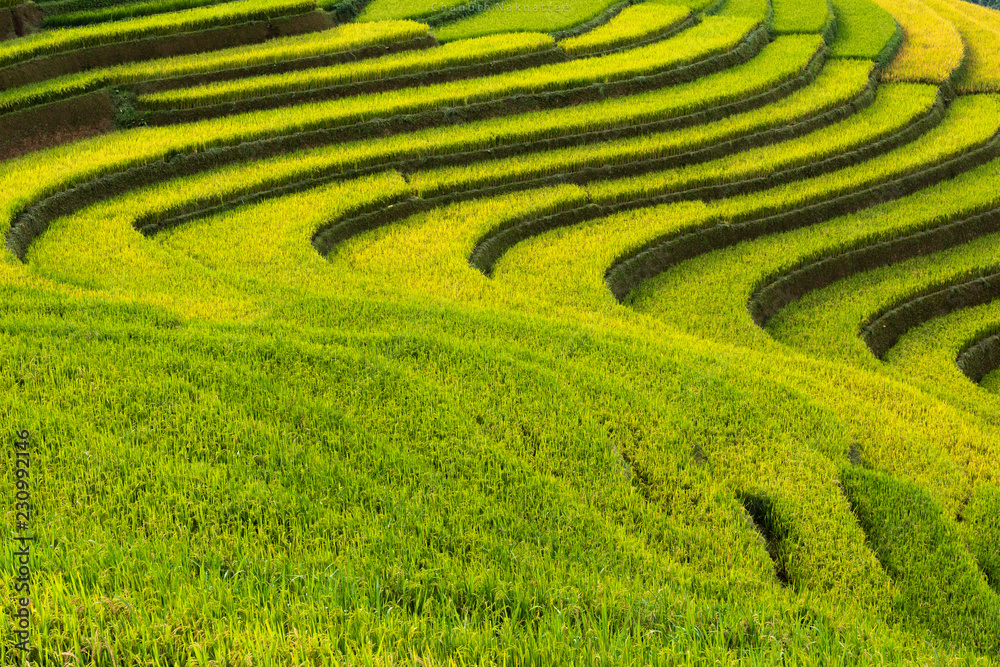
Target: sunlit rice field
[[345, 332]]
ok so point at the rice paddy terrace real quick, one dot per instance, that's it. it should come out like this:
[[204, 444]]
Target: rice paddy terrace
[[598, 332]]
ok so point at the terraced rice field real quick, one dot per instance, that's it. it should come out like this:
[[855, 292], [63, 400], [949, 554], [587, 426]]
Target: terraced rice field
[[384, 333]]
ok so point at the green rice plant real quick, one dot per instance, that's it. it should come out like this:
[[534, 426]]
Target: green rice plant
[[757, 263], [67, 6], [980, 11], [389, 10], [980, 31], [124, 11], [864, 29], [391, 241], [693, 5], [980, 353], [709, 38], [792, 16], [565, 269], [929, 355], [968, 126], [849, 306], [992, 382], [28, 179], [827, 321], [893, 111], [827, 328], [729, 278], [709, 294], [932, 49], [115, 219], [383, 250], [302, 489], [345, 37], [941, 145], [758, 10], [982, 532], [837, 83], [44, 43], [247, 453], [634, 24], [274, 239], [970, 122], [896, 107], [502, 16], [466, 52], [778, 62], [492, 434], [840, 82], [363, 496], [939, 586]]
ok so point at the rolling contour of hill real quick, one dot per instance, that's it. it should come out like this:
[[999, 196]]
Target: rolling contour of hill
[[597, 332]]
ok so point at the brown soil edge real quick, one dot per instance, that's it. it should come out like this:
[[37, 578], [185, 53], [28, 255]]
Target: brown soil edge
[[34, 219], [745, 50], [980, 358], [885, 328], [7, 28], [164, 46], [491, 247], [686, 23], [637, 267], [150, 225], [416, 79], [778, 291], [56, 123], [20, 20]]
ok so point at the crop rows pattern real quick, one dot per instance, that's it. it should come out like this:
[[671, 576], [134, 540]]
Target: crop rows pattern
[[632, 333]]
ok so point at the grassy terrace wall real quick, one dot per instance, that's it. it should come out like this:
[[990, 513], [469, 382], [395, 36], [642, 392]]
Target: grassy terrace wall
[[407, 333]]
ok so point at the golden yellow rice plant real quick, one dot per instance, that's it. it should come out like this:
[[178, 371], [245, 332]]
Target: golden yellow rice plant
[[932, 47]]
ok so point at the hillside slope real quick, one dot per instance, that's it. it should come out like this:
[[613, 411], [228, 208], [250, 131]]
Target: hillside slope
[[411, 333]]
